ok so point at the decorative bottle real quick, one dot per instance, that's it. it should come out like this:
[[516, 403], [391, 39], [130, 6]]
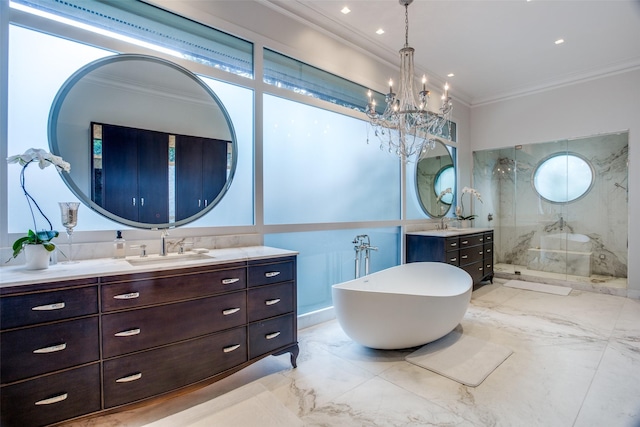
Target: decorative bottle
[[119, 245]]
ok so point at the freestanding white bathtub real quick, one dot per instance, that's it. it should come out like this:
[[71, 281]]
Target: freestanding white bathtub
[[403, 306]]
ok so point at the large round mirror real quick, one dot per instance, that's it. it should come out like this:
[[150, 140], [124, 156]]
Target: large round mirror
[[150, 144], [436, 181]]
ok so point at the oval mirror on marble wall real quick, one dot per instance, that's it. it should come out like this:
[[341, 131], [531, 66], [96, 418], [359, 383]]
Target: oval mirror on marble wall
[[435, 173], [150, 144]]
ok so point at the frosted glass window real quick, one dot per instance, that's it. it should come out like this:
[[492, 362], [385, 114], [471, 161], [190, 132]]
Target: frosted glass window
[[563, 178], [327, 257], [319, 168], [31, 93]]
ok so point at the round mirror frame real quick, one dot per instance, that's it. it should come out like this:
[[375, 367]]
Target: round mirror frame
[[432, 192], [54, 145]]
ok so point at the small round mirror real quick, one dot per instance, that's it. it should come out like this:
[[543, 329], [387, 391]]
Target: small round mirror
[[150, 144], [436, 181]]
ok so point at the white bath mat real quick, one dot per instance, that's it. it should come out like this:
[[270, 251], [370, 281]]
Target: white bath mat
[[460, 357], [538, 287]]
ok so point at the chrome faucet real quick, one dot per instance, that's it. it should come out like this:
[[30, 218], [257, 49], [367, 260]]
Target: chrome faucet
[[362, 244], [163, 242]]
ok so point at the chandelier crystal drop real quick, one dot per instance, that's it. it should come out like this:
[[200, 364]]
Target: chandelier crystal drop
[[406, 127]]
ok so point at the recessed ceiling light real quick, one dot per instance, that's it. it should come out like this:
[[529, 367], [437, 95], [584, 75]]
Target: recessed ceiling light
[[345, 10], [559, 41], [450, 75], [380, 31]]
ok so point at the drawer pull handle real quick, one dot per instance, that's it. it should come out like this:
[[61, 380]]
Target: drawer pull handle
[[128, 333], [130, 295], [230, 281], [49, 307], [130, 378], [464, 256], [229, 311], [464, 242], [52, 400], [479, 268], [481, 239], [51, 349], [272, 335], [454, 244], [231, 348], [453, 259], [488, 251], [272, 301], [271, 274], [480, 253]]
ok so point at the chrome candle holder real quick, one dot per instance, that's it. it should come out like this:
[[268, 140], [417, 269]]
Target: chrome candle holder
[[69, 216]]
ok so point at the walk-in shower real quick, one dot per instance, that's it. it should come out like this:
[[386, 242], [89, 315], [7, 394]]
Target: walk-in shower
[[559, 209]]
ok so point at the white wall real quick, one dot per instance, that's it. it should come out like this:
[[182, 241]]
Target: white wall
[[604, 105]]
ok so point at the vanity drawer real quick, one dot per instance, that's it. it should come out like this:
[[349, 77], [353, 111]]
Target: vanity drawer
[[37, 350], [451, 244], [488, 251], [265, 274], [142, 375], [476, 271], [51, 398], [144, 328], [453, 258], [41, 307], [471, 240], [157, 290], [270, 334], [270, 301], [472, 254]]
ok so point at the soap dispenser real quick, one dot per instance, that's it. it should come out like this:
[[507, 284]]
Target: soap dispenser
[[119, 245]]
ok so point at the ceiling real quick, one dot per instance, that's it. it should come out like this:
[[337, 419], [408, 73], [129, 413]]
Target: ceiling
[[496, 48]]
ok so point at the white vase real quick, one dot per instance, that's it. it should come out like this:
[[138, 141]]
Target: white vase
[[37, 257]]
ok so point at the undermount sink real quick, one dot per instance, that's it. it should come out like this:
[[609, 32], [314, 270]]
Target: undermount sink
[[168, 259]]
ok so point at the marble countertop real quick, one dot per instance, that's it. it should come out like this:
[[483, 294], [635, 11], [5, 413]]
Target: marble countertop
[[18, 275], [449, 232]]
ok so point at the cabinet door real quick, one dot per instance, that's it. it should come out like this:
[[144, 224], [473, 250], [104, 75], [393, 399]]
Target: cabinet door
[[119, 166], [51, 398], [201, 173], [142, 375], [153, 176]]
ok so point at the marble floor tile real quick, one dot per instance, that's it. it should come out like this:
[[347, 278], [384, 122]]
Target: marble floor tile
[[576, 363]]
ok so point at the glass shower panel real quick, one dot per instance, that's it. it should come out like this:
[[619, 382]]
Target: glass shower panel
[[540, 230]]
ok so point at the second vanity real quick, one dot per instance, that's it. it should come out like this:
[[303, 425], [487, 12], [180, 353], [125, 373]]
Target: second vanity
[[95, 336], [470, 249]]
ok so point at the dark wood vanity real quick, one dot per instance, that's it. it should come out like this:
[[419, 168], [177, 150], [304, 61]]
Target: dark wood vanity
[[471, 250], [76, 347]]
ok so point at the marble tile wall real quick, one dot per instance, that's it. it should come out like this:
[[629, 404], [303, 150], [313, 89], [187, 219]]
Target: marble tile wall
[[522, 220]]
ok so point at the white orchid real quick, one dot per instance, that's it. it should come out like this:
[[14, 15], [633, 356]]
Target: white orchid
[[443, 192], [460, 208], [43, 157], [35, 236]]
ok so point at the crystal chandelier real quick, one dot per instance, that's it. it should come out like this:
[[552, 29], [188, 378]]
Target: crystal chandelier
[[406, 127]]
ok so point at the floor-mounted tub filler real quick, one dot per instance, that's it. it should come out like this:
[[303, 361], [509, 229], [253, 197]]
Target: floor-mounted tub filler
[[404, 306]]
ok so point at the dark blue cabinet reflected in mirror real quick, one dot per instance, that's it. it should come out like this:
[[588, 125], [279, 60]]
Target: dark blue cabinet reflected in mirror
[[155, 177], [165, 153]]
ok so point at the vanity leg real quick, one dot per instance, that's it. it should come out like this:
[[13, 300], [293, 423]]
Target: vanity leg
[[294, 350]]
